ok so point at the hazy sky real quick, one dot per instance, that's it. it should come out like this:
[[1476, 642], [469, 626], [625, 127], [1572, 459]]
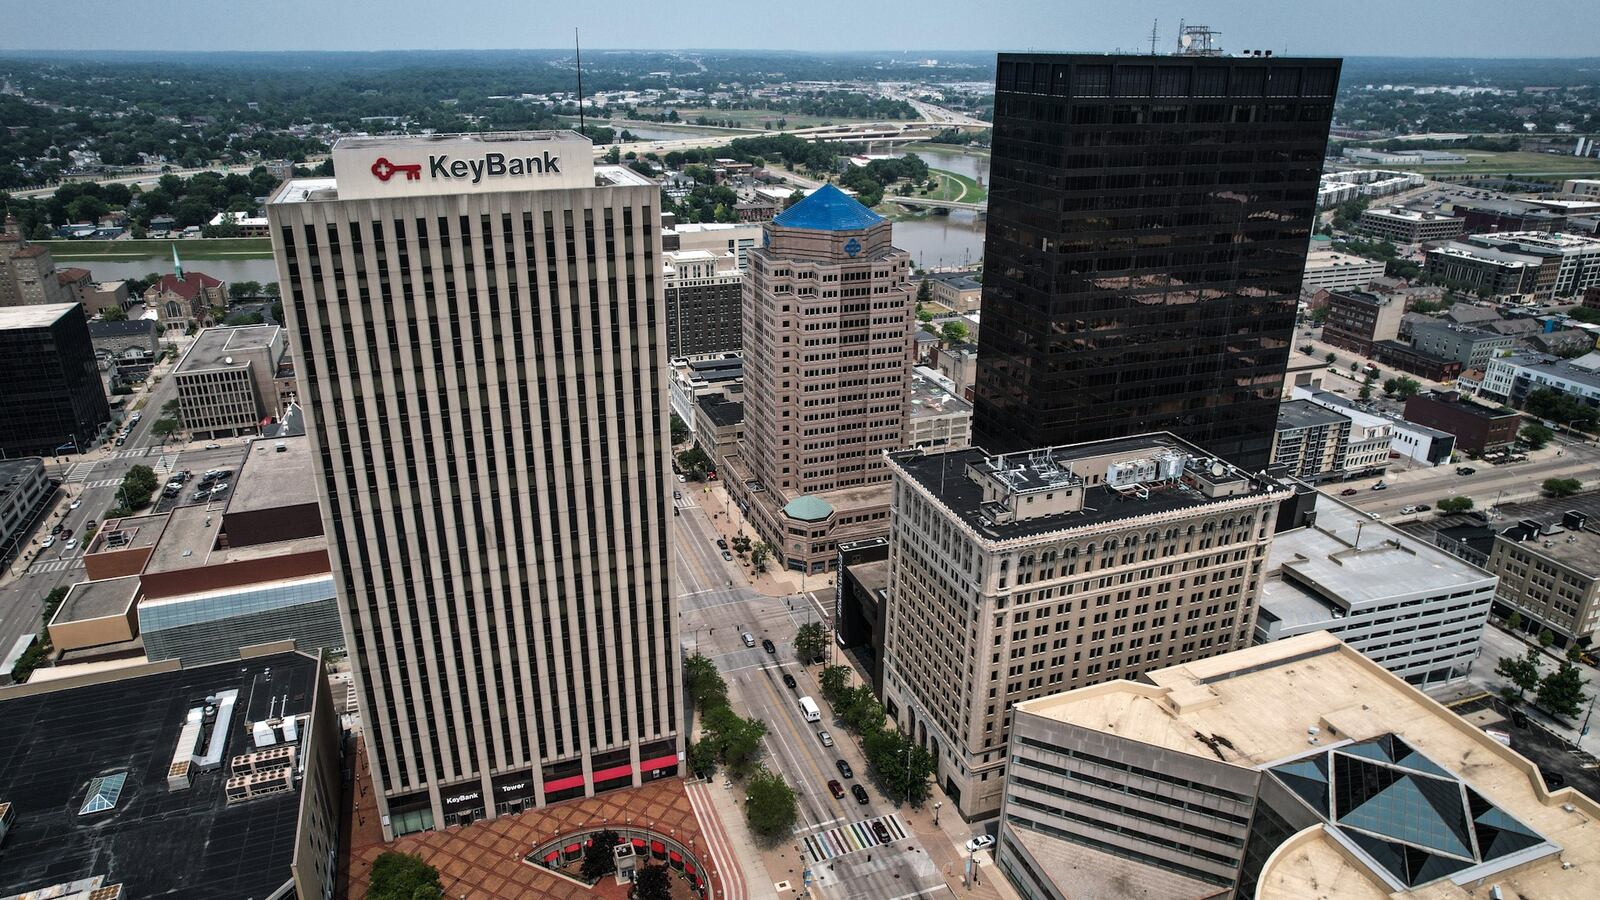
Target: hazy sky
[[1466, 28]]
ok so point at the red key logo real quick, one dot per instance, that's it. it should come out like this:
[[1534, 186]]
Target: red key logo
[[386, 170]]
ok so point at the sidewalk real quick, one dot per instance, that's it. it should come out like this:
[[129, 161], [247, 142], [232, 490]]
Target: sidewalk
[[725, 517], [758, 878]]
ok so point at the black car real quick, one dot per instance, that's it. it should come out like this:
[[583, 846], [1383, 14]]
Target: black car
[[860, 793], [1465, 470], [1423, 507], [788, 681], [881, 831], [844, 769], [57, 529], [768, 645], [722, 544]]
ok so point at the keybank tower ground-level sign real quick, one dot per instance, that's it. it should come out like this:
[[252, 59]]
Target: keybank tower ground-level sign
[[417, 165]]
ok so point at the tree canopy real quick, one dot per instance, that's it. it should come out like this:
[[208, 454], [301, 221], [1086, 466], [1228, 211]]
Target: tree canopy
[[402, 876]]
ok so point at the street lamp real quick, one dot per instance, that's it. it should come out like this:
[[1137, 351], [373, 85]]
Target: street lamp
[[936, 805]]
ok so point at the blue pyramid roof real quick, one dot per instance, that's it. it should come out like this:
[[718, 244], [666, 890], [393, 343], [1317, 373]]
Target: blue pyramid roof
[[828, 209]]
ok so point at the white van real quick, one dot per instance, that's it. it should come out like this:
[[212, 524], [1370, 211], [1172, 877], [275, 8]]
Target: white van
[[808, 708]]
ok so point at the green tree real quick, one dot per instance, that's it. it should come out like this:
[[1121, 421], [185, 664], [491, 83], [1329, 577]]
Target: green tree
[[1514, 622], [1536, 436], [955, 332], [903, 766], [1561, 487], [695, 463], [1455, 504], [402, 876], [925, 291], [165, 428], [1546, 638], [1332, 357], [702, 758], [651, 883], [1562, 691], [924, 315], [770, 805], [793, 198], [240, 290], [706, 686], [137, 486], [1558, 407], [835, 681], [737, 739], [860, 711], [680, 431], [113, 314], [243, 318], [760, 553], [809, 642], [1402, 386], [1522, 672], [598, 860]]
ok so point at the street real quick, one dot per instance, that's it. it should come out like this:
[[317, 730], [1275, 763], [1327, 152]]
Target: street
[[1498, 644], [714, 613], [1487, 485]]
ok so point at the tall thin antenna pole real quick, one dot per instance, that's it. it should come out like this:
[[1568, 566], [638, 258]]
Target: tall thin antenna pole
[[577, 49], [1154, 25]]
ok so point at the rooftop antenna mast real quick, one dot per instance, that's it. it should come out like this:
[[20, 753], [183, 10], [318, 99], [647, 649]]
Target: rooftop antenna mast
[[1154, 26], [577, 49]]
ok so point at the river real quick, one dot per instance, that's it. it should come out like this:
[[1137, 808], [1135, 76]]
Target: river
[[945, 240], [263, 270]]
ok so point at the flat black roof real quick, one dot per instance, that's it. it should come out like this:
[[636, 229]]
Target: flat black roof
[[720, 411], [1305, 414], [156, 843], [944, 475]]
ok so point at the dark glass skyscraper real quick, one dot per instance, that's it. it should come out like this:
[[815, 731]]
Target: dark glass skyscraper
[[1148, 224]]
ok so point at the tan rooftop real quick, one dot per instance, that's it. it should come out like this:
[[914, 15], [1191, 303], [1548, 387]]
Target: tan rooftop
[[1254, 707], [276, 472], [89, 600], [136, 532]]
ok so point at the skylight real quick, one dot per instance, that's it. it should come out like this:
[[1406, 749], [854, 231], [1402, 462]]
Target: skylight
[[104, 792]]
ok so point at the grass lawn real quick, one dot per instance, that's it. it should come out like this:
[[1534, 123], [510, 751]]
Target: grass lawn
[[1483, 162], [951, 186], [191, 248]]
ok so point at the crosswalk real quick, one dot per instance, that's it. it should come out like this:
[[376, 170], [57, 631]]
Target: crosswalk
[[136, 453], [54, 565], [102, 482], [78, 472], [684, 503], [853, 837]]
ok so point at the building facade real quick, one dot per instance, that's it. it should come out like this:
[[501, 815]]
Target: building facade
[[1405, 226], [1490, 273], [28, 274], [1477, 428], [1295, 769], [1357, 319], [483, 366], [829, 313], [1577, 258], [1412, 608], [1471, 347], [1339, 271], [23, 489], [1311, 442], [1131, 281], [52, 400], [1017, 576], [233, 379], [1549, 570], [1428, 446], [704, 303]]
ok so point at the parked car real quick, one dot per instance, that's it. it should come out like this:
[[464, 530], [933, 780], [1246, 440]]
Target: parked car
[[75, 504], [981, 842], [789, 682], [48, 542], [1407, 510], [1423, 507], [57, 530], [836, 789], [677, 495], [749, 639], [72, 544], [682, 480], [722, 544], [213, 446], [726, 556], [844, 769], [768, 645], [825, 738], [1374, 516], [860, 793]]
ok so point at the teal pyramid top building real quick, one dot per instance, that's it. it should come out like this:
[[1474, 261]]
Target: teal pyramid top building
[[828, 209]]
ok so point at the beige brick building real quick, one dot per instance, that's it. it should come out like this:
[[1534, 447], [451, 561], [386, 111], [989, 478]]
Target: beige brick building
[[829, 313], [1017, 576], [483, 365], [28, 275]]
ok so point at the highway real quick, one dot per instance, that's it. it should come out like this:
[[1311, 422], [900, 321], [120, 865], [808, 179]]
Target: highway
[[715, 606]]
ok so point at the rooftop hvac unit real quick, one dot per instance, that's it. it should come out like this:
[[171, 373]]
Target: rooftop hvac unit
[[178, 777], [1130, 471], [262, 734], [291, 729], [260, 760], [259, 784]]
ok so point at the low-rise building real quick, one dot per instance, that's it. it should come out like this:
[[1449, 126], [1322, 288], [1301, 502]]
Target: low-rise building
[[28, 274], [1310, 441], [1295, 769], [247, 225], [935, 418], [704, 302], [1406, 605], [130, 346], [1577, 258], [1339, 271], [1477, 428], [76, 286], [1549, 570], [23, 492], [1487, 271], [1358, 319], [1562, 341], [719, 374], [1511, 379], [1408, 226], [232, 380], [1469, 346], [160, 781], [108, 295], [1407, 358], [959, 363], [717, 238], [1582, 187], [1017, 576], [1504, 214], [718, 427], [185, 299], [960, 291], [1428, 446], [860, 595]]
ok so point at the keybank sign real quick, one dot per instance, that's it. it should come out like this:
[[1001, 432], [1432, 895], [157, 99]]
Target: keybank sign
[[404, 168]]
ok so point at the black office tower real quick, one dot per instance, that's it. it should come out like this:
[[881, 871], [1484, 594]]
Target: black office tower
[[52, 401], [1149, 218]]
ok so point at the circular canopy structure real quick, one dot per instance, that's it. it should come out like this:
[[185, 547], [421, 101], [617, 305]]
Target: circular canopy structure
[[808, 509]]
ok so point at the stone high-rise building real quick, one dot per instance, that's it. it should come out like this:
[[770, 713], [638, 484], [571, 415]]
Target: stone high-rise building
[[1019, 576], [828, 317], [479, 333]]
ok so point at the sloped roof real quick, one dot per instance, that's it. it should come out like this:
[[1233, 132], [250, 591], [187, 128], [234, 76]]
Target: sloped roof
[[808, 508], [828, 209], [187, 288]]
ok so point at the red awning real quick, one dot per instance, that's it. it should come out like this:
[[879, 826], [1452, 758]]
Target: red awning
[[660, 762], [658, 848], [639, 843], [689, 868], [572, 848], [675, 857], [552, 856]]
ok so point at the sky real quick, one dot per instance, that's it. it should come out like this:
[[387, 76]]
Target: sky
[[1411, 28]]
